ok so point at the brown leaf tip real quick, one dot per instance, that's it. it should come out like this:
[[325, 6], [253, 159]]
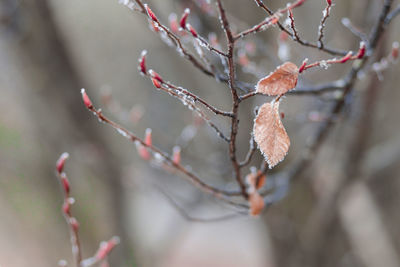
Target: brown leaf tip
[[278, 82]]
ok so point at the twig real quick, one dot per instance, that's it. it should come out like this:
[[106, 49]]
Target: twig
[[357, 32], [295, 34], [322, 24], [190, 176], [235, 97], [250, 153], [299, 41], [186, 99], [66, 208], [392, 15], [105, 247], [350, 80], [190, 218]]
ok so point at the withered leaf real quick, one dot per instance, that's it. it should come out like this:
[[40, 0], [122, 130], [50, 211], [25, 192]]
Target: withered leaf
[[278, 82], [255, 182], [270, 135], [256, 203]]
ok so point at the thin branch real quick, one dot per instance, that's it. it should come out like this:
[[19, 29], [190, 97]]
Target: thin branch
[[295, 34], [356, 31], [298, 40], [189, 175], [350, 81], [187, 98], [66, 208], [250, 153], [322, 24], [392, 15], [190, 218], [235, 97]]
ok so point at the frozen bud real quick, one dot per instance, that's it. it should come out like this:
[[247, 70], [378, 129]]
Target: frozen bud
[[61, 161], [184, 17], [66, 207], [346, 57], [142, 151], [147, 137], [192, 30], [303, 65], [142, 62], [361, 51], [156, 76], [86, 99], [173, 22], [150, 13], [65, 183], [395, 50], [154, 26], [176, 155], [156, 83], [74, 224], [106, 247], [329, 2]]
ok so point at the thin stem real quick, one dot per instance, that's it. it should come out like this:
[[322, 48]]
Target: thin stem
[[250, 153], [322, 24], [189, 175], [235, 97], [298, 40], [392, 15]]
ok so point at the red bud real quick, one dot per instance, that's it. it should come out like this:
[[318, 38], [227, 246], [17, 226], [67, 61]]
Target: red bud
[[74, 223], [150, 13], [184, 17], [106, 247], [65, 184], [156, 83], [61, 161], [142, 151], [142, 62], [176, 155], [361, 51], [345, 58], [156, 76], [303, 65], [86, 99], [192, 30], [395, 50], [173, 22], [66, 207], [147, 138], [329, 2]]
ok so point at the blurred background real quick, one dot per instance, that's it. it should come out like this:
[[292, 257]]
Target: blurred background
[[50, 49]]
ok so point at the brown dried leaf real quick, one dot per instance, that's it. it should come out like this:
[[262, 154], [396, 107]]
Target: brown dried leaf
[[251, 179], [278, 82], [270, 134], [256, 203]]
